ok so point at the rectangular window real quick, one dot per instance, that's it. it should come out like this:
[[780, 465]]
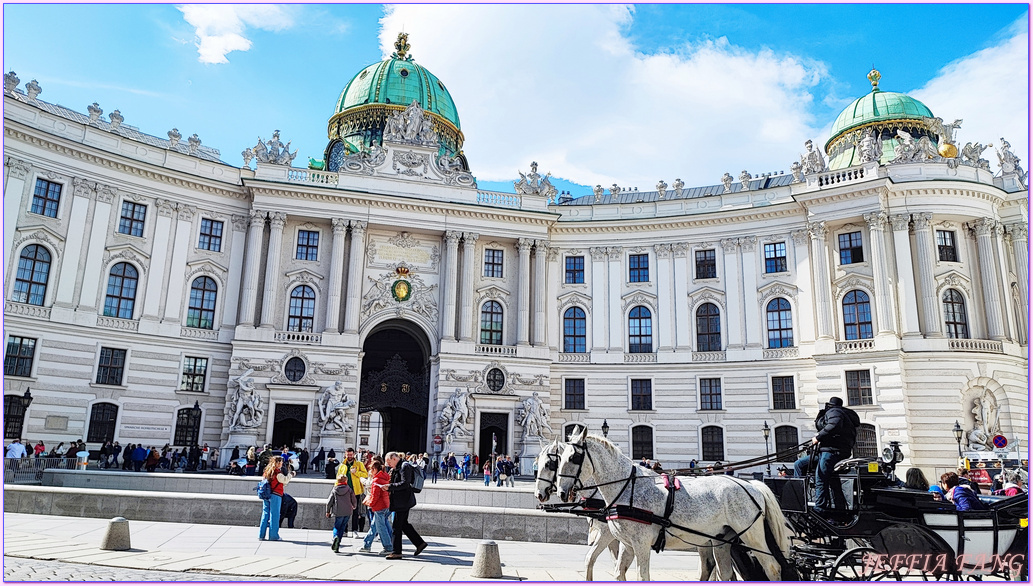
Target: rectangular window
[[946, 246], [783, 392], [859, 387], [641, 395], [638, 271], [112, 363], [850, 249], [20, 352], [194, 372], [709, 394], [308, 245], [211, 235], [364, 422], [574, 393], [493, 263], [133, 215], [706, 264], [575, 270], [46, 197], [775, 258]]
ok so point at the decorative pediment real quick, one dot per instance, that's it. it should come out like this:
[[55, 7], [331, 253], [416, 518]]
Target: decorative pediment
[[707, 295], [302, 276], [776, 289], [309, 226], [494, 293], [40, 234], [639, 298], [574, 298], [207, 267], [127, 252], [953, 279], [848, 283]]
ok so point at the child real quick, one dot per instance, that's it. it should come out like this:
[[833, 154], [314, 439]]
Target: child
[[341, 504]]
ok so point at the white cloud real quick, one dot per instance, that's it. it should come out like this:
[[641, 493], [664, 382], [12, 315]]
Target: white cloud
[[220, 28], [989, 90], [561, 84]]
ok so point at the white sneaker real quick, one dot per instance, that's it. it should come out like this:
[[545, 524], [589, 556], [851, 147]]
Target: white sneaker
[[365, 550]]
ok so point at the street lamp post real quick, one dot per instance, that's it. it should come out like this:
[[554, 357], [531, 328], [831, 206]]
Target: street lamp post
[[606, 428], [957, 435], [767, 451], [26, 399]]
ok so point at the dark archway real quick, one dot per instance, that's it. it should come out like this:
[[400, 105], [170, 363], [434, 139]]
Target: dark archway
[[395, 382], [494, 434]]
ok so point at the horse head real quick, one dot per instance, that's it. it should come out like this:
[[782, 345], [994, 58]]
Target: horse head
[[548, 464], [572, 465]]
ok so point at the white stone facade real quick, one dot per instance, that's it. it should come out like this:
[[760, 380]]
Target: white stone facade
[[371, 223]]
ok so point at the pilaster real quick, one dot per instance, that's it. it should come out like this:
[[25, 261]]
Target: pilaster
[[339, 226], [926, 284], [906, 297], [448, 286], [989, 280], [524, 290], [466, 293], [249, 294], [353, 294], [270, 300], [822, 286]]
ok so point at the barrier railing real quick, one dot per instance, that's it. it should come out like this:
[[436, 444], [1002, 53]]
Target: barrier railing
[[30, 470]]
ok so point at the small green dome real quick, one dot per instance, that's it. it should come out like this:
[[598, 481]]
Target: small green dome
[[877, 106], [398, 81]]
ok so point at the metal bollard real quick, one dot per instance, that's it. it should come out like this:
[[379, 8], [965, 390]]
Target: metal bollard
[[486, 562], [117, 536]]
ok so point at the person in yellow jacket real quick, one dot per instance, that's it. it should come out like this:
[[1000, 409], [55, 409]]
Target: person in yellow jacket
[[355, 471]]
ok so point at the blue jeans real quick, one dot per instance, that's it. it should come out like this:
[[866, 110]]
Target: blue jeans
[[828, 492], [271, 511], [341, 526], [379, 527], [487, 479]]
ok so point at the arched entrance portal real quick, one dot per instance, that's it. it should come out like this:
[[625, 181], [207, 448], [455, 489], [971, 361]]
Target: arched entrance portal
[[395, 382]]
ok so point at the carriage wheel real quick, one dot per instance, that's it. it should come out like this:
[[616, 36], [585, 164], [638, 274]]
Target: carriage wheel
[[860, 564]]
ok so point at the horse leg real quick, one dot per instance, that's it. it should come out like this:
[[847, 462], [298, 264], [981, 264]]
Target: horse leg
[[706, 563], [723, 561], [599, 539], [642, 551], [625, 556], [754, 538]]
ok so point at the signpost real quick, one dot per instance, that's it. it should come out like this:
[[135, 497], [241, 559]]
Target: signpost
[[437, 444]]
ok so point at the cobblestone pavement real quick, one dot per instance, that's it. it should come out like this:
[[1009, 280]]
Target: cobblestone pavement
[[28, 570]]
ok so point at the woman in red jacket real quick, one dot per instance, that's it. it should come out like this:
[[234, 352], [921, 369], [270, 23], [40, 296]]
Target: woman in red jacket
[[378, 503], [271, 508]]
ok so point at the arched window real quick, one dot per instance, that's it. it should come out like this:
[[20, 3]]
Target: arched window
[[102, 422], [574, 330], [188, 427], [954, 314], [30, 284], [121, 296], [201, 313], [787, 437], [708, 328], [713, 443], [491, 323], [780, 324], [302, 309], [642, 442], [14, 416], [867, 444], [640, 331], [857, 316]]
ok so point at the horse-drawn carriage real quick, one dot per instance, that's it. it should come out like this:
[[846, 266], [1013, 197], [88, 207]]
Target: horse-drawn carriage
[[769, 530]]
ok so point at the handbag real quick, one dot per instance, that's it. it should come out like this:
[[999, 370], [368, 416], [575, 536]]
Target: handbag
[[503, 476]]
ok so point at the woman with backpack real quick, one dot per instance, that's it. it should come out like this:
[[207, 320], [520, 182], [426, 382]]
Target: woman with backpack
[[273, 474]]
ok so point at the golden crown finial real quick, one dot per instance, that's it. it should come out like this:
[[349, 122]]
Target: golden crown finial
[[874, 76], [402, 45]]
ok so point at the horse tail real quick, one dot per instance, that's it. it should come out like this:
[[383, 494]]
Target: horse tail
[[775, 530]]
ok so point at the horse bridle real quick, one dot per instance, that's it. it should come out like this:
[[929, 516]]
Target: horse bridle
[[554, 465], [578, 458]]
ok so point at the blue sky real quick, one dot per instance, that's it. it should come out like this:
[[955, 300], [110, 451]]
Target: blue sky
[[595, 94]]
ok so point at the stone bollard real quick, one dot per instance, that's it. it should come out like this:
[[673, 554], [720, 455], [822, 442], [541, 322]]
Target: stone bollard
[[117, 536], [486, 562]]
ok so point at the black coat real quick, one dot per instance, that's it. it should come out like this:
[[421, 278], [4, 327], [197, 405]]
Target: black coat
[[837, 429], [331, 468], [400, 488]]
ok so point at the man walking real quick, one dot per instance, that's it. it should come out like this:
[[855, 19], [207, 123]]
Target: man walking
[[837, 431], [355, 471], [403, 474]]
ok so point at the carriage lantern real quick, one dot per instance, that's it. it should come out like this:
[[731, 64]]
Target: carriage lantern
[[767, 451], [957, 435], [605, 428]]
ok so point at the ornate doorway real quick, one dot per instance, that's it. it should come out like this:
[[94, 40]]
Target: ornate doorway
[[289, 424], [396, 383], [493, 425]]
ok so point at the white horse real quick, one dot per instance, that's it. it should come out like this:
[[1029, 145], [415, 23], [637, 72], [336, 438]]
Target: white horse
[[600, 538], [719, 506]]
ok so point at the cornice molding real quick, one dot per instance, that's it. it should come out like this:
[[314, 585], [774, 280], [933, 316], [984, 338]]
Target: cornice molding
[[656, 225]]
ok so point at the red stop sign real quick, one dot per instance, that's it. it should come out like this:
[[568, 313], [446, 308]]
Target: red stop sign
[[437, 440]]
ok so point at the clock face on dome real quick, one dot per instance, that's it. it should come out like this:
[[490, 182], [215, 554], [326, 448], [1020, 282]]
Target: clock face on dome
[[401, 290]]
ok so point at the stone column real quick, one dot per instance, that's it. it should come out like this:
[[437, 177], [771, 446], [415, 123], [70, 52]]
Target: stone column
[[236, 250], [249, 293], [333, 296], [822, 288], [883, 307], [682, 331], [751, 306], [14, 193], [733, 293], [907, 299], [801, 250], [448, 286], [616, 313], [93, 270], [277, 220], [353, 295], [541, 247], [666, 306], [599, 304], [988, 272], [176, 287], [926, 284], [524, 290], [466, 293], [1020, 248]]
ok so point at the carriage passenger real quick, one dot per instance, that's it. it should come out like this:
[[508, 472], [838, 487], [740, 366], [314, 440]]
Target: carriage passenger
[[915, 480], [962, 496]]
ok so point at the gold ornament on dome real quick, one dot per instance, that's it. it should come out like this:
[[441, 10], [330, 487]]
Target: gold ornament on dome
[[874, 76], [948, 150]]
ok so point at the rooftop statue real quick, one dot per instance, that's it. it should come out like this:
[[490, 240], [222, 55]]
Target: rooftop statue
[[661, 187], [797, 170], [1009, 162], [812, 161], [271, 152], [971, 155], [598, 191], [944, 135], [727, 179], [870, 148], [678, 185], [909, 150], [745, 178], [413, 126], [535, 184]]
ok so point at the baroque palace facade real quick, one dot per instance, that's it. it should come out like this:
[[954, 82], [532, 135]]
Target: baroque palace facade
[[156, 294]]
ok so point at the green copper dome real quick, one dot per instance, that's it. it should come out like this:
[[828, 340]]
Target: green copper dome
[[877, 106]]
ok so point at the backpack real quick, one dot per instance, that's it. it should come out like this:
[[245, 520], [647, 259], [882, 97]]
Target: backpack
[[418, 476], [264, 490]]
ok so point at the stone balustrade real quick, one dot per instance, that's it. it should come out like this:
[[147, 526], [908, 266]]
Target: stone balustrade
[[855, 346], [25, 309], [129, 325], [495, 198], [840, 177], [496, 350], [775, 353], [968, 345], [312, 177], [708, 357], [298, 337]]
